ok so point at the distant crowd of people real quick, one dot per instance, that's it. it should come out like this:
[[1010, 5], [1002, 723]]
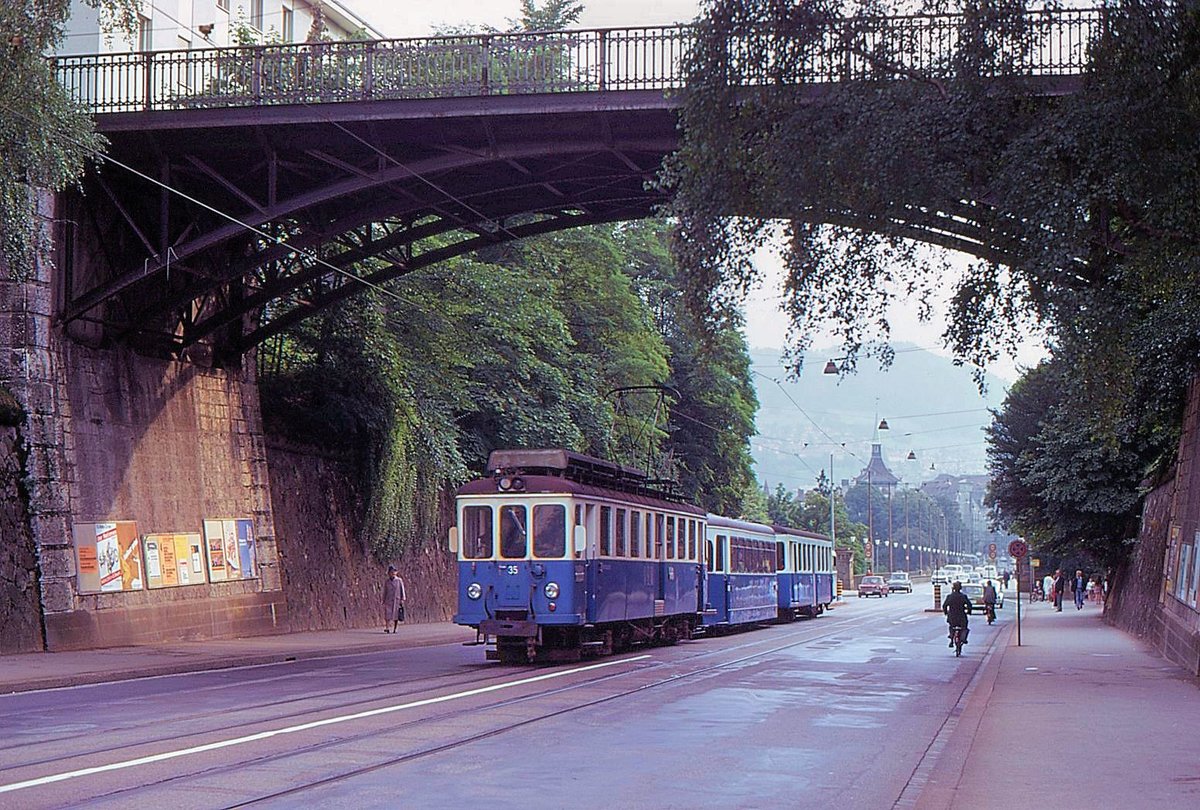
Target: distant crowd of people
[[1083, 589]]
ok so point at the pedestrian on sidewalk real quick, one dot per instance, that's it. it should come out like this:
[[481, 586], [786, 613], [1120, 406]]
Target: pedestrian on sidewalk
[[1079, 588], [1047, 587], [1060, 589], [393, 600]]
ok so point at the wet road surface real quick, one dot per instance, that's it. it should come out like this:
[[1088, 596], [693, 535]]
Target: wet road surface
[[850, 709]]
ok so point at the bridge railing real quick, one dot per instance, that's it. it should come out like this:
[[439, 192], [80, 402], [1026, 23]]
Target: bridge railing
[[640, 58]]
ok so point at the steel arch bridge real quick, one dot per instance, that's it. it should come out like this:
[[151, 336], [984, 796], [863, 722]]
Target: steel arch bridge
[[248, 188]]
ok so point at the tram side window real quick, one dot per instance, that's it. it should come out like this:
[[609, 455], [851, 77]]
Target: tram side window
[[549, 531], [605, 531], [670, 537], [721, 553], [780, 555], [709, 556], [477, 532], [620, 533], [514, 534], [635, 534], [692, 529], [658, 535]]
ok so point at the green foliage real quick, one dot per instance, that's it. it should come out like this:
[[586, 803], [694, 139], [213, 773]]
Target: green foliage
[[1079, 209], [45, 139], [519, 346], [1056, 478]]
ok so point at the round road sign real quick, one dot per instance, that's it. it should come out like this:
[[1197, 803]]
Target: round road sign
[[1018, 548]]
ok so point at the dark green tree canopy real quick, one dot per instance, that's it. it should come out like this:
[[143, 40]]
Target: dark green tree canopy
[[1079, 210]]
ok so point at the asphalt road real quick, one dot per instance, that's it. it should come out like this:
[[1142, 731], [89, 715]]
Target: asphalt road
[[848, 710]]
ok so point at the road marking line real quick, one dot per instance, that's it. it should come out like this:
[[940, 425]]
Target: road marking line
[[329, 721]]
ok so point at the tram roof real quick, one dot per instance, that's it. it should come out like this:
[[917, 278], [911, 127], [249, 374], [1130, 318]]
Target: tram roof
[[579, 467], [557, 485]]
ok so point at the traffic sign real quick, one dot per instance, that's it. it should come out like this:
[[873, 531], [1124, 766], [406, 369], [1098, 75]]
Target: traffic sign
[[1018, 548], [992, 549]]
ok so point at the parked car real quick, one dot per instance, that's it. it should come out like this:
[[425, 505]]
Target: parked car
[[872, 585], [899, 581]]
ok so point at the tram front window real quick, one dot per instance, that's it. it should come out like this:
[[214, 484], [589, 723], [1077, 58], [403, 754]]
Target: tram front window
[[549, 531], [477, 532], [514, 537]]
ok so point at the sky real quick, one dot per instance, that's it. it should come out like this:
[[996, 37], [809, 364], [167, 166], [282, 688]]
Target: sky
[[417, 18], [765, 326]]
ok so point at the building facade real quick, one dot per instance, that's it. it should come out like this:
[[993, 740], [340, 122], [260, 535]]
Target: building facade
[[168, 25]]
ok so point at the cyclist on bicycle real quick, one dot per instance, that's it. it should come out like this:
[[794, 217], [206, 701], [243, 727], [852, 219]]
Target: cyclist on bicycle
[[989, 601], [956, 606]]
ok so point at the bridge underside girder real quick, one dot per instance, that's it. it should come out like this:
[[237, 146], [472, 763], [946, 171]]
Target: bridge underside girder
[[210, 231], [293, 209]]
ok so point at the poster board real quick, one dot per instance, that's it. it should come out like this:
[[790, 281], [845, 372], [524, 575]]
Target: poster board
[[229, 543], [108, 557], [173, 560]]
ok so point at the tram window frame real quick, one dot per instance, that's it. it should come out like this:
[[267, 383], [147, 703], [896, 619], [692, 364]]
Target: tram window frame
[[559, 549], [780, 556], [669, 543], [710, 553], [722, 552], [619, 532], [693, 530], [483, 538], [635, 534], [522, 525], [659, 528], [605, 545], [577, 553]]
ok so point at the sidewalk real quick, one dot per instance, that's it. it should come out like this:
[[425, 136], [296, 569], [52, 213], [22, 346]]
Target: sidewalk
[[1080, 711], [21, 673]]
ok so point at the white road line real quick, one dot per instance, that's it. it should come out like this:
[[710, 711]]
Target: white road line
[[329, 721]]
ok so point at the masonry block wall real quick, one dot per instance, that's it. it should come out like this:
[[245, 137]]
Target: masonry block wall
[[330, 577], [112, 435]]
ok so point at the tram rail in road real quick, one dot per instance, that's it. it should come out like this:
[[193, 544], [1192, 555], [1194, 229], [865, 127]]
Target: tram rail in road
[[283, 762]]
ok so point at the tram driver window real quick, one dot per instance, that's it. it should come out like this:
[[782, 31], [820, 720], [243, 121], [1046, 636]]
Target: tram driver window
[[549, 531], [514, 536], [477, 532]]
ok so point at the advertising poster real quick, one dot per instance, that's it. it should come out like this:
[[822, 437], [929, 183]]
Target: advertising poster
[[214, 540], [108, 556], [174, 559], [129, 547], [230, 546], [245, 540], [233, 563], [170, 573]]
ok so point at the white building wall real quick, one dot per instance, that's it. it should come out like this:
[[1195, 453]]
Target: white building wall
[[176, 24]]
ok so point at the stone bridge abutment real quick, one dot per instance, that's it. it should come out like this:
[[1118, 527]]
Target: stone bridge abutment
[[108, 437]]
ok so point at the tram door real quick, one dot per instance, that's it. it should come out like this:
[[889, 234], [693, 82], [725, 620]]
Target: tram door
[[606, 589]]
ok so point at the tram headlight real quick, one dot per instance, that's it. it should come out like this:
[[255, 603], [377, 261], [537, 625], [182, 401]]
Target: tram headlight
[[474, 590], [551, 590]]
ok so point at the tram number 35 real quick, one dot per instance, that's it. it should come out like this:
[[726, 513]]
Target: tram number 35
[[512, 570]]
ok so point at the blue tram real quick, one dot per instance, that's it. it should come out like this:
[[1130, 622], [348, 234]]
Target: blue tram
[[739, 558], [561, 554], [804, 569]]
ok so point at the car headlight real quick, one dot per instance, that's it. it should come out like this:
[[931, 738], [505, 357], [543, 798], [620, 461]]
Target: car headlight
[[474, 590], [551, 590]]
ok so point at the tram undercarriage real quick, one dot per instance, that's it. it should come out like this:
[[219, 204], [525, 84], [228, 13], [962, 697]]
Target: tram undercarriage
[[551, 644]]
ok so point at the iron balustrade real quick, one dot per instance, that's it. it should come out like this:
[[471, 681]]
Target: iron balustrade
[[611, 59]]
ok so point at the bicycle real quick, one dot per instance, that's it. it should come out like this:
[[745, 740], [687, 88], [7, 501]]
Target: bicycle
[[990, 611], [956, 636]]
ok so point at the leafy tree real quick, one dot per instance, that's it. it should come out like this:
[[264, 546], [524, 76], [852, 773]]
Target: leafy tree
[[712, 422], [1079, 209], [45, 137], [1054, 479]]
